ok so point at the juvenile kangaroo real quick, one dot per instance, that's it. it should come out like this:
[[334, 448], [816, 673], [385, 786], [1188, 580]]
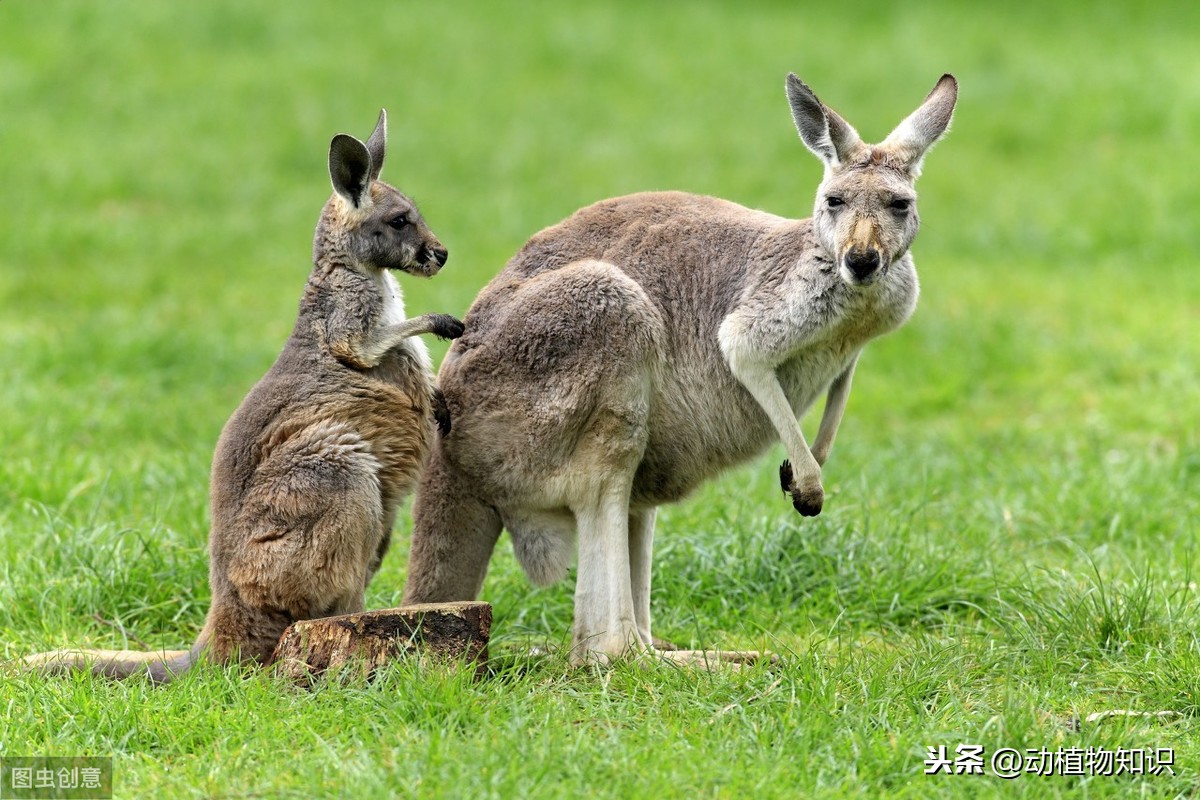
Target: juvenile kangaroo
[[649, 342], [309, 470]]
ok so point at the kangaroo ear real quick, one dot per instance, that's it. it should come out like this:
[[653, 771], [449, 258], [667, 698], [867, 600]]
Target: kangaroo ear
[[350, 168], [830, 137], [913, 137], [377, 144]]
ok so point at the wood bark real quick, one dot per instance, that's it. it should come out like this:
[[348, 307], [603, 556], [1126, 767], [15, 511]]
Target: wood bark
[[361, 643]]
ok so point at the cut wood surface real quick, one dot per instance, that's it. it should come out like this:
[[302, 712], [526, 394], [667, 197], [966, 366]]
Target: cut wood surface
[[442, 631]]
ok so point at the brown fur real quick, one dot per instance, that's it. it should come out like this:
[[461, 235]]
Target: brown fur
[[310, 469]]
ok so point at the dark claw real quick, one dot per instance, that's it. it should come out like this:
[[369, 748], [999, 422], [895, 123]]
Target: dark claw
[[785, 476], [447, 327], [806, 509], [441, 412]]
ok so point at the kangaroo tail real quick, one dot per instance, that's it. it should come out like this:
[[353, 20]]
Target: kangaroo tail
[[161, 666]]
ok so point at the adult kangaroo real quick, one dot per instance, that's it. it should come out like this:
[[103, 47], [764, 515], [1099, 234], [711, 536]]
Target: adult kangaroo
[[310, 469], [649, 342]]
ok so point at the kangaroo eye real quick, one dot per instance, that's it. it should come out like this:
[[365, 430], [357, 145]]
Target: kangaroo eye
[[900, 205], [398, 221], [833, 201]]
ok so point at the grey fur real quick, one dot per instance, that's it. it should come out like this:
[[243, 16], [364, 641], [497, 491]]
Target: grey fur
[[310, 469], [644, 345]]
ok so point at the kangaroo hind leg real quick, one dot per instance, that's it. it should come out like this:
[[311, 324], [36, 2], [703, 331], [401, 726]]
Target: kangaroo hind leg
[[605, 625], [454, 533], [641, 551], [313, 522]]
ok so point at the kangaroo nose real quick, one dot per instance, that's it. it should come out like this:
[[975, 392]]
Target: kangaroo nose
[[862, 263], [441, 254]]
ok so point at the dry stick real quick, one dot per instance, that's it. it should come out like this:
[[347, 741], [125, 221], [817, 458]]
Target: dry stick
[[121, 628], [1100, 716], [735, 704]]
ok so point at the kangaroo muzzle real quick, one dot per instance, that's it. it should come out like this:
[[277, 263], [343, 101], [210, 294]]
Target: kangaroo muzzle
[[862, 263], [432, 258], [436, 253], [862, 258]]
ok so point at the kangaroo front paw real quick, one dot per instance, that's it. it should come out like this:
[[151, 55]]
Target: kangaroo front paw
[[807, 498], [441, 412], [808, 501], [447, 327], [785, 476]]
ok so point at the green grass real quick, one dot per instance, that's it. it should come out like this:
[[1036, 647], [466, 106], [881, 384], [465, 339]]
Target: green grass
[[1011, 522]]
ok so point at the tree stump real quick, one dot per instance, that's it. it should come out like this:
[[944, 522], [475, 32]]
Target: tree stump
[[365, 641]]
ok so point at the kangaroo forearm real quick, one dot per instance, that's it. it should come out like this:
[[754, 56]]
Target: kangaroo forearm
[[763, 385], [393, 334], [441, 325], [831, 417], [370, 350]]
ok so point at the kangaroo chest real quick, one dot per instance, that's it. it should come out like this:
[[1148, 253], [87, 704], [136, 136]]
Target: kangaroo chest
[[809, 370], [391, 299]]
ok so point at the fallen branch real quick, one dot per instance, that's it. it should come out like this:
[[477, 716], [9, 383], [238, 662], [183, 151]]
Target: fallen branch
[[118, 626]]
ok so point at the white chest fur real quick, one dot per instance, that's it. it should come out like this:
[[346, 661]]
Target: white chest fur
[[392, 313], [393, 299]]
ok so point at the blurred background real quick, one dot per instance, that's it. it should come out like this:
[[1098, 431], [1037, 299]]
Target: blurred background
[[162, 166]]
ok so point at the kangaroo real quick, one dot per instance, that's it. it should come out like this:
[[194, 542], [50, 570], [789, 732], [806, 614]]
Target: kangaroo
[[309, 470], [647, 343]]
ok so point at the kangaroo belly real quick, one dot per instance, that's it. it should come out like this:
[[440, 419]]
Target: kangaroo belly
[[696, 431]]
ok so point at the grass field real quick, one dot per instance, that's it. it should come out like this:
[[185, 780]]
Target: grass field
[[1008, 540]]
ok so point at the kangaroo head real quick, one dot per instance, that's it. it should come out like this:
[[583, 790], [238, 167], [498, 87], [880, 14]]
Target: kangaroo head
[[368, 224], [866, 209]]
